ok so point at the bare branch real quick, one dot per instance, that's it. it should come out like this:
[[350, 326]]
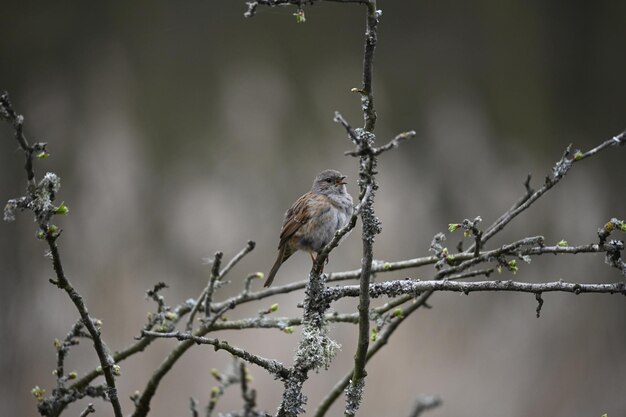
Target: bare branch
[[42, 197], [560, 169], [398, 287], [351, 133], [90, 409], [513, 249], [250, 245], [619, 139], [17, 120], [270, 365], [381, 341], [71, 339], [253, 5], [141, 344], [371, 224], [216, 275], [210, 289], [395, 142], [248, 395], [392, 144], [367, 90], [425, 403], [193, 407]]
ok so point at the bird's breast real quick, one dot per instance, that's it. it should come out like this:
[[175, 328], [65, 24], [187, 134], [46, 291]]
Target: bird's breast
[[321, 228]]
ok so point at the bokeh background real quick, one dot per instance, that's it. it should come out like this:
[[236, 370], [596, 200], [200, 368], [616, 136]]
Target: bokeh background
[[181, 128]]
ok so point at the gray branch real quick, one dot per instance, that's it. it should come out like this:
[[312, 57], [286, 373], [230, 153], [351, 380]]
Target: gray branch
[[272, 366], [410, 287], [41, 198]]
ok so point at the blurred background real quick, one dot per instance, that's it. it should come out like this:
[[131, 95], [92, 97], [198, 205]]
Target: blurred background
[[181, 128]]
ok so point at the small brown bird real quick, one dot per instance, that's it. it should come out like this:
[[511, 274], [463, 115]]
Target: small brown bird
[[311, 223]]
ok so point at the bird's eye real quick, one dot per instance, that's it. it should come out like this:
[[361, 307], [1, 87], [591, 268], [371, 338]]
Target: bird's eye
[[328, 180]]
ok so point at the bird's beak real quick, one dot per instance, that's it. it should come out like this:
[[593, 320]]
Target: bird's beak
[[341, 180]]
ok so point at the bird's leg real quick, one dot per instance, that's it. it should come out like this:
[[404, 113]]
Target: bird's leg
[[314, 256]]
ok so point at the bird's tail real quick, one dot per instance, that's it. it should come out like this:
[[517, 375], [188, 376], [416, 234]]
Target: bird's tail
[[283, 254]]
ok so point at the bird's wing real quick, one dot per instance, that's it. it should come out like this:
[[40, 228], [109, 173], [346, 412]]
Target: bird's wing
[[297, 216]]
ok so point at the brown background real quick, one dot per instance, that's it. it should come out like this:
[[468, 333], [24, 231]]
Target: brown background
[[180, 128]]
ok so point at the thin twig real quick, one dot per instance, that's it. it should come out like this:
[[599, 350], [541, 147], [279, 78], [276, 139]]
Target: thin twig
[[270, 365], [216, 275], [250, 245], [210, 289], [354, 137], [392, 144], [367, 89], [193, 407], [90, 409], [253, 5], [559, 171], [424, 403]]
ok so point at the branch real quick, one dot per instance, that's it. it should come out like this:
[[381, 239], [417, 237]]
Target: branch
[[270, 365], [392, 144], [371, 224], [142, 403], [253, 5], [561, 168], [615, 140], [90, 409], [425, 403], [285, 323], [383, 266], [71, 339], [315, 349], [17, 120], [216, 275], [367, 90], [210, 288], [452, 273], [381, 341], [427, 288], [41, 197], [250, 245], [248, 395], [315, 343], [399, 287], [354, 137]]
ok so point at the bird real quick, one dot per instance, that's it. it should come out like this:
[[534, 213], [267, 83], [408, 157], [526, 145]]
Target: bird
[[311, 222]]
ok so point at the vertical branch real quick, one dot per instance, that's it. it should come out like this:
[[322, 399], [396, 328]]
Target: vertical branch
[[17, 120], [371, 227], [215, 274], [315, 350], [367, 92], [371, 224]]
